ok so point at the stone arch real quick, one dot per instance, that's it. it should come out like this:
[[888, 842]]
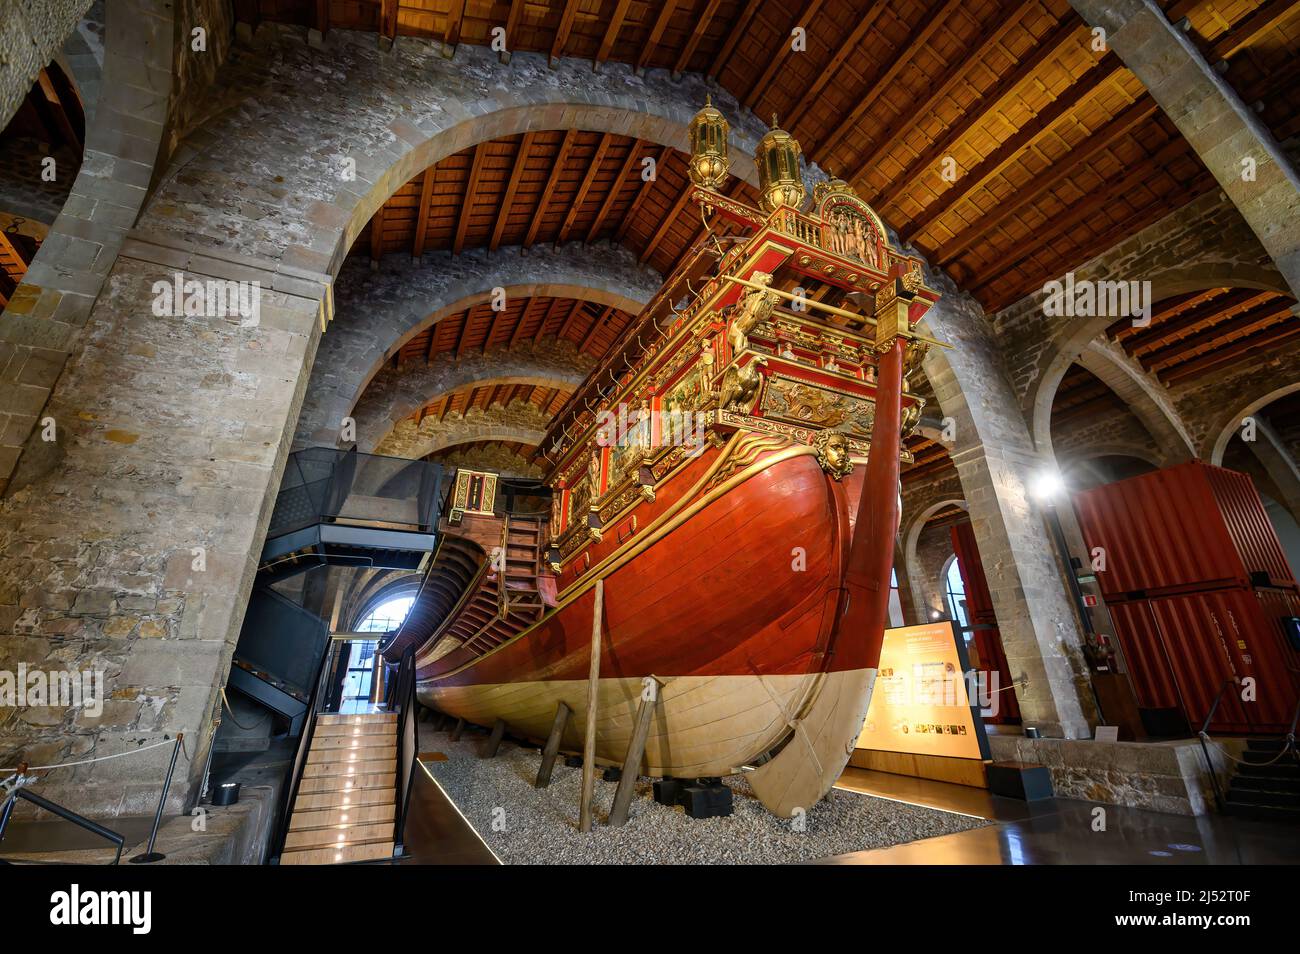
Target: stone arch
[[468, 433], [1144, 396], [425, 108], [1070, 344], [1226, 425], [911, 540], [403, 298]]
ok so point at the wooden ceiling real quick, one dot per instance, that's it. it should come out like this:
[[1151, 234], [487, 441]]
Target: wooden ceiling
[[590, 327], [930, 459], [1200, 333], [16, 253], [546, 186], [549, 400], [1058, 152]]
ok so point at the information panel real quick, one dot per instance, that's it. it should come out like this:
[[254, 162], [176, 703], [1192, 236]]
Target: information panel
[[920, 704]]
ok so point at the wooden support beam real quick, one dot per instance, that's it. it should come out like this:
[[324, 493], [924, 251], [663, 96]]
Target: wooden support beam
[[552, 180], [801, 111], [693, 41], [1053, 45], [492, 328], [376, 237], [562, 33], [475, 173], [322, 17], [552, 747], [1144, 341], [646, 188], [1199, 366], [1004, 20], [54, 108], [388, 19], [463, 337], [8, 244], [512, 28], [517, 332], [933, 19], [611, 32], [1104, 138], [1243, 324], [1005, 155], [493, 744], [635, 753], [667, 223], [516, 175], [776, 58], [615, 189], [422, 213], [734, 33], [666, 10], [578, 308], [593, 697], [594, 327], [588, 180], [451, 35], [460, 727], [1266, 17]]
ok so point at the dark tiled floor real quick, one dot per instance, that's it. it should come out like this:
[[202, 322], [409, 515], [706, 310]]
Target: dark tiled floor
[[1064, 831]]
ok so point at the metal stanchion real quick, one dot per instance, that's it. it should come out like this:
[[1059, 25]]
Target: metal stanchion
[[150, 855]]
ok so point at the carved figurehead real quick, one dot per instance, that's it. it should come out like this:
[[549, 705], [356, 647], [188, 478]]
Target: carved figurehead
[[833, 453], [753, 307]]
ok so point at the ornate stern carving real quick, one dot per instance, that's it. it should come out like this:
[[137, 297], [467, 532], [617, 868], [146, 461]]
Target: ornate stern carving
[[740, 386], [833, 453]]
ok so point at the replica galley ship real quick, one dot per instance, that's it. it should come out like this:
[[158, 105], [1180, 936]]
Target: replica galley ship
[[730, 472]]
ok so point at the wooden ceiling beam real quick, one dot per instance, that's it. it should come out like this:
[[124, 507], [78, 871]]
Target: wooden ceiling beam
[[1266, 17], [463, 337], [512, 28], [1081, 211], [388, 19], [524, 315], [646, 188], [615, 189], [1062, 37], [737, 29], [562, 32], [776, 59], [578, 306], [595, 325], [611, 32], [666, 11], [422, 214], [588, 180], [552, 180], [8, 244], [321, 17], [57, 112], [1244, 323], [552, 311], [934, 18], [451, 35], [1001, 158], [802, 110], [1005, 19], [1104, 138], [471, 187], [507, 203], [665, 225], [1223, 307], [693, 41], [1190, 369]]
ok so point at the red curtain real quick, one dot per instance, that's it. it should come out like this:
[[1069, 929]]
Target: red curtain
[[985, 638]]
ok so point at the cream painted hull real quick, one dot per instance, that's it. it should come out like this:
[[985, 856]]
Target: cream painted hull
[[703, 725]]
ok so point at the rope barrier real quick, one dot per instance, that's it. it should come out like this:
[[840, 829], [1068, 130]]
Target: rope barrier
[[229, 708], [101, 758], [1290, 742]]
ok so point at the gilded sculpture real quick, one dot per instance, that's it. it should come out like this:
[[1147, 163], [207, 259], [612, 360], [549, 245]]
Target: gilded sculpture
[[753, 307], [833, 453]]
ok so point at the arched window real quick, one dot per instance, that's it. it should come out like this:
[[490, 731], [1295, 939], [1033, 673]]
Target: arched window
[[387, 616], [954, 591]]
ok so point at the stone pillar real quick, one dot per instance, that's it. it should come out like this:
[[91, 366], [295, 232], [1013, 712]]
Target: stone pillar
[[135, 558], [1211, 116], [996, 463]]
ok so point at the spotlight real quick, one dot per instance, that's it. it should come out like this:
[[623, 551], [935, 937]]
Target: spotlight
[[1047, 486]]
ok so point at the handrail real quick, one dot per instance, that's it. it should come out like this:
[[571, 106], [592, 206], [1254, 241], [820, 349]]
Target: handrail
[[314, 704], [1205, 749], [66, 814], [407, 747]]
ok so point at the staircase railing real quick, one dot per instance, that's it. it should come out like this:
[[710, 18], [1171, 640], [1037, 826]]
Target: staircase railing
[[314, 706], [54, 808], [404, 703], [1204, 736]]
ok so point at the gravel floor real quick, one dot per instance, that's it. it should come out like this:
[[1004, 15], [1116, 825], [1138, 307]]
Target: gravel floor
[[525, 825]]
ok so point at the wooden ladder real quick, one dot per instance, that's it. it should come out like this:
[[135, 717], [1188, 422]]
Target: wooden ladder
[[346, 807]]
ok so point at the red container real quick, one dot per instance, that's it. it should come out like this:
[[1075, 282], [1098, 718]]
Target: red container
[[1185, 528], [1179, 649], [984, 634]]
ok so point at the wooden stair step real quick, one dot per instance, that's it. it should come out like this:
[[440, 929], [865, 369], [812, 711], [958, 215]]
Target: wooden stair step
[[353, 798], [373, 851], [304, 818], [365, 729], [333, 837], [343, 769], [365, 718], [344, 783], [374, 753], [346, 740]]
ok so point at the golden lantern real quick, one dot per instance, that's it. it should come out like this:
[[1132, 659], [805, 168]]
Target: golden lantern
[[779, 180], [708, 135]]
